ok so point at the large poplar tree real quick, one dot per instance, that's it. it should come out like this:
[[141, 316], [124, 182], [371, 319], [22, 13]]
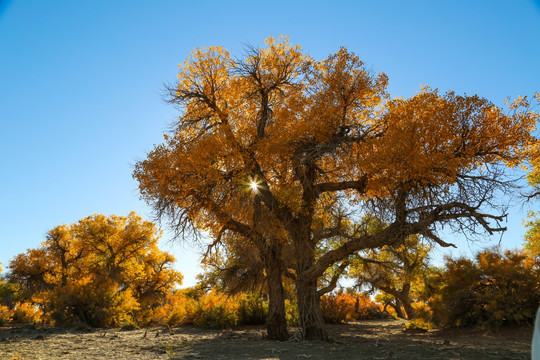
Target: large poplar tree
[[288, 152]]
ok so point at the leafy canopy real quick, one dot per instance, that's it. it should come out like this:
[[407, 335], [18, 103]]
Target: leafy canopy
[[325, 145], [100, 270]]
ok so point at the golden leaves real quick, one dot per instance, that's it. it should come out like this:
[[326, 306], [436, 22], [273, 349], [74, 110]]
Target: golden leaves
[[98, 258], [430, 139], [281, 111]]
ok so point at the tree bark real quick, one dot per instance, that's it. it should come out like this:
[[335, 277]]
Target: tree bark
[[307, 294], [309, 310], [402, 298], [276, 325], [405, 298], [409, 310], [404, 302], [397, 308]]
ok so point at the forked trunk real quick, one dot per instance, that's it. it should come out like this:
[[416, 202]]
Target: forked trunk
[[402, 299], [397, 308], [309, 309]]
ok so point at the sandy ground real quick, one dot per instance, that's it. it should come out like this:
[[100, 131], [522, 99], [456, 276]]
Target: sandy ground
[[376, 340]]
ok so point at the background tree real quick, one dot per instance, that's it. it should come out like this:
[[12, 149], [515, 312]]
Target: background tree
[[233, 268], [496, 288], [397, 270], [315, 140], [534, 163], [98, 271], [7, 299], [532, 236]]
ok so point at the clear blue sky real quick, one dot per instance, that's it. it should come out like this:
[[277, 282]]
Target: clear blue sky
[[81, 85]]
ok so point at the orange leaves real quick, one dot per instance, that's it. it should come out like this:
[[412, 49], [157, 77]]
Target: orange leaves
[[212, 309], [348, 306], [27, 313], [532, 236], [205, 73], [534, 163], [100, 270], [430, 139], [259, 110], [279, 63], [324, 140], [495, 289], [6, 315], [279, 110]]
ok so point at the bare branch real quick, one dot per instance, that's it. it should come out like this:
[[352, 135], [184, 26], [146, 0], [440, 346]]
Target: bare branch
[[358, 185], [333, 282], [430, 235]]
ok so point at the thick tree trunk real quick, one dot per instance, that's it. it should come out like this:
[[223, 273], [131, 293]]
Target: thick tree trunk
[[307, 295], [409, 310], [405, 298], [276, 325], [269, 249], [311, 319]]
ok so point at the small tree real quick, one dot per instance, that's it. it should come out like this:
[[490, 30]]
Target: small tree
[[100, 270], [397, 270], [495, 289]]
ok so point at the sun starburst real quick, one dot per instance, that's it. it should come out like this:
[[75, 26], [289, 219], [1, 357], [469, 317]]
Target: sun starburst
[[254, 184]]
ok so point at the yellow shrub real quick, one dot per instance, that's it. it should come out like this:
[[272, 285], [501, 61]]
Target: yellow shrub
[[423, 311], [213, 309], [100, 271], [366, 309], [178, 310], [496, 288], [217, 311], [6, 314], [346, 306], [418, 324], [253, 310], [338, 307], [27, 313], [291, 313]]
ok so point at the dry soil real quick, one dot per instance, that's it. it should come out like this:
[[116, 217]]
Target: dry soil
[[376, 340]]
